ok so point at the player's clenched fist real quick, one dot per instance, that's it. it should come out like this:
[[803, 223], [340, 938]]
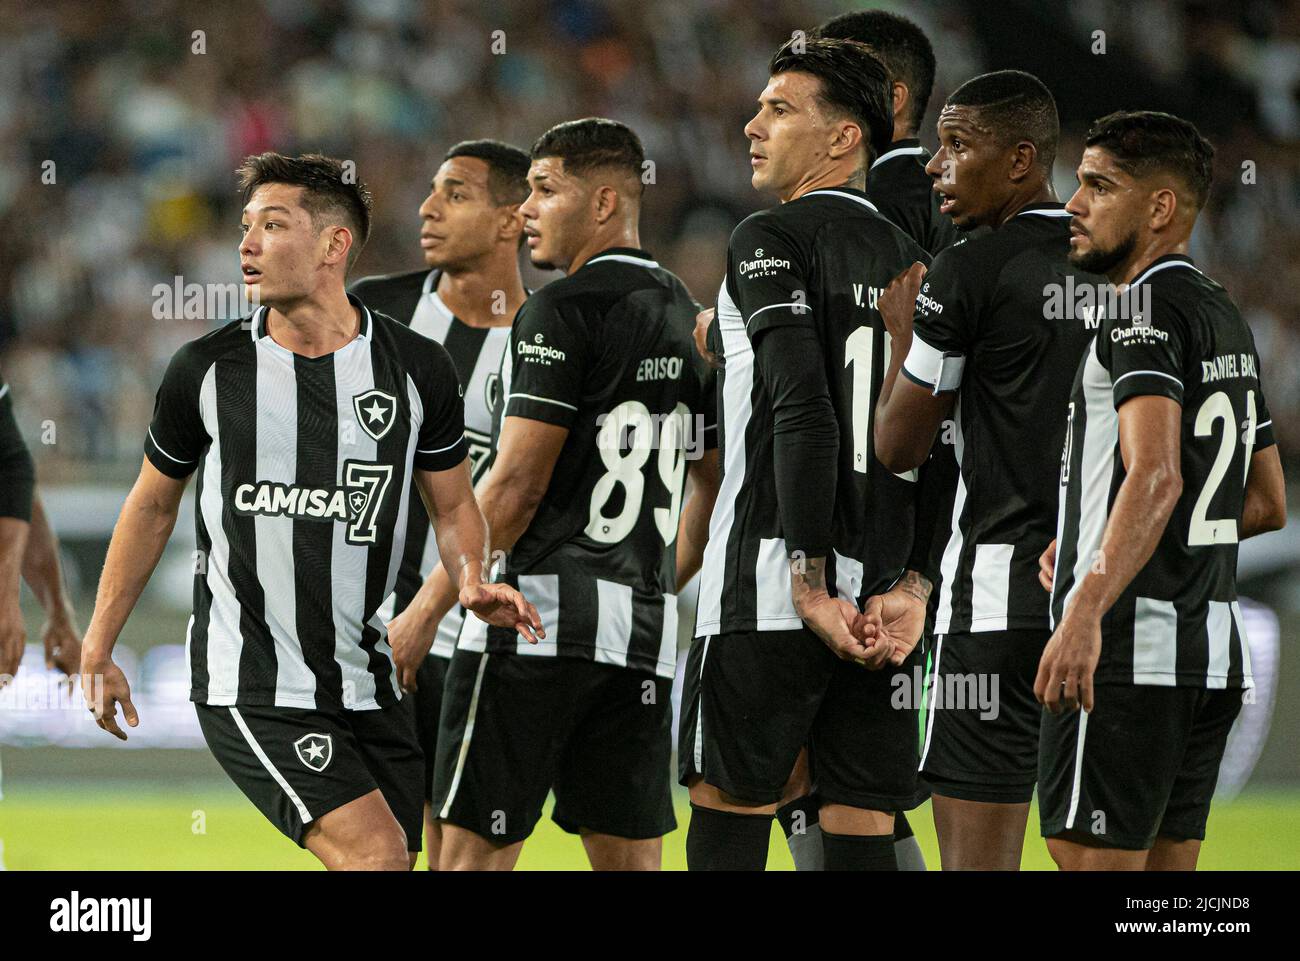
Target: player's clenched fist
[[503, 606], [703, 320], [898, 300]]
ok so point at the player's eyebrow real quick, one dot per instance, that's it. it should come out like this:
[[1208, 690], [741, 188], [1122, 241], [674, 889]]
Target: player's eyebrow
[[777, 102], [269, 207], [1092, 177]]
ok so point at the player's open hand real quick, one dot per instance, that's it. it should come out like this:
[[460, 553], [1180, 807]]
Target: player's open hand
[[503, 606], [1064, 681], [900, 615], [703, 320], [410, 636], [898, 302], [104, 686], [1047, 566], [849, 635]]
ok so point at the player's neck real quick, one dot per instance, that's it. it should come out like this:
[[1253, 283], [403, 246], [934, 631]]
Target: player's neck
[[485, 295], [840, 175], [1146, 253], [316, 325], [1038, 192], [623, 235]]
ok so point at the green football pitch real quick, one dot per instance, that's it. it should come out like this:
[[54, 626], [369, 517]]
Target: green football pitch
[[210, 826]]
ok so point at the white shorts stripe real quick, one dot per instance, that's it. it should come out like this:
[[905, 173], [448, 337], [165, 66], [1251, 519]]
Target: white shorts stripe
[[465, 738], [271, 768], [1078, 770], [929, 721]]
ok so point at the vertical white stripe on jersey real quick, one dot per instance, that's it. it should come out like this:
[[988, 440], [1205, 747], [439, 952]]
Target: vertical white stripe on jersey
[[952, 553], [848, 578], [737, 409], [543, 592], [277, 460], [225, 642], [473, 633], [774, 607], [990, 587], [1248, 678], [431, 317], [353, 374], [1078, 769], [613, 622], [1155, 642], [1097, 465], [477, 414], [667, 666], [1218, 635]]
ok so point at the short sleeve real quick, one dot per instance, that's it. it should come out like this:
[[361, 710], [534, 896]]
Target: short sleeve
[[1146, 356], [943, 324], [177, 436], [1264, 437], [440, 444], [548, 362], [767, 277]]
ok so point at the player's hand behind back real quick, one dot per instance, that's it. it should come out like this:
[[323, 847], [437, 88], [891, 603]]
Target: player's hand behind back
[[502, 606], [900, 616], [898, 301], [850, 634], [704, 320], [1047, 566]]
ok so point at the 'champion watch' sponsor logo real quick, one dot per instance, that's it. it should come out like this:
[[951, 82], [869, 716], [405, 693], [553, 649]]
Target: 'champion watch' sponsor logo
[[762, 266]]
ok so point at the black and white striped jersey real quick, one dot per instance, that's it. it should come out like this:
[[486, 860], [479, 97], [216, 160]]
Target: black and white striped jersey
[[823, 260], [904, 193], [412, 298], [984, 328], [606, 352], [1178, 623], [301, 504]]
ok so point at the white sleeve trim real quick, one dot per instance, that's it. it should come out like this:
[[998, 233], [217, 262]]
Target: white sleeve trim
[[164, 453], [544, 400], [439, 450], [1154, 373], [793, 303], [941, 370]]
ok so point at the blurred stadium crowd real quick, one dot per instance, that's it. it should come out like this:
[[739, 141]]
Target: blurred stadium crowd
[[145, 120]]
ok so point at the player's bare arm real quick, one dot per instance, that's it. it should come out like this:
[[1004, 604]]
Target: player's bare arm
[[1149, 433], [693, 529], [462, 533], [139, 537], [13, 636], [44, 575], [1265, 507], [908, 416]]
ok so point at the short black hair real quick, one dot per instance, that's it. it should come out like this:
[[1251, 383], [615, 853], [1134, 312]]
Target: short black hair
[[1142, 141], [330, 187], [1018, 106], [900, 44], [853, 82], [591, 144], [507, 168]]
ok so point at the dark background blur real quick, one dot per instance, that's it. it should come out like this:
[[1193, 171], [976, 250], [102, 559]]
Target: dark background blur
[[141, 133]]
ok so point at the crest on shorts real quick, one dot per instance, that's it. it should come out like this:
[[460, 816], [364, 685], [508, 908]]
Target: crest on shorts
[[315, 750], [376, 411]]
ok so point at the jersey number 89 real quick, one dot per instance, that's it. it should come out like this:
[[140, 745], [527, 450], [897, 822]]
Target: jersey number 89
[[624, 469]]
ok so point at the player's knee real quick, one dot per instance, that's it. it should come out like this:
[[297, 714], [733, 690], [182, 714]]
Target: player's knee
[[383, 849]]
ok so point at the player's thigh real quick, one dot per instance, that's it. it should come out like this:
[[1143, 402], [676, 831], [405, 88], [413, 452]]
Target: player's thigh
[[1105, 776], [982, 719], [295, 765], [391, 752], [502, 715], [1188, 807], [607, 852], [863, 749], [748, 705], [614, 775], [362, 835]]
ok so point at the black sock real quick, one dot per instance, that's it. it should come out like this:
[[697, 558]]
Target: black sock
[[853, 852], [902, 830], [725, 841], [787, 816]]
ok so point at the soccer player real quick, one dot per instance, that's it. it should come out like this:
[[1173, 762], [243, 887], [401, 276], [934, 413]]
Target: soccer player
[[29, 549], [808, 524], [306, 422], [986, 353], [606, 403], [1169, 462], [465, 299]]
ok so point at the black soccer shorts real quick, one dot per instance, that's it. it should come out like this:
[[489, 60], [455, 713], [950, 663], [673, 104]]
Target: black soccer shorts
[[296, 765], [516, 726], [1142, 764], [753, 699], [981, 730], [425, 704]]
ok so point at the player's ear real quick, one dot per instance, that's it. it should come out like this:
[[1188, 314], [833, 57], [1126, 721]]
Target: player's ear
[[338, 243], [512, 223], [605, 201], [847, 139], [900, 93], [1024, 156], [1164, 207]]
